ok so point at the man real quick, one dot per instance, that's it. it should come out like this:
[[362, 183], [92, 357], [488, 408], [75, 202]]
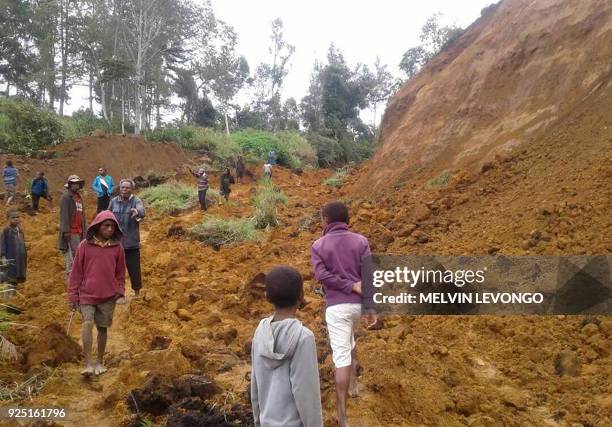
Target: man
[[96, 282], [9, 176], [129, 211], [72, 225], [40, 188], [336, 260], [103, 186], [202, 181]]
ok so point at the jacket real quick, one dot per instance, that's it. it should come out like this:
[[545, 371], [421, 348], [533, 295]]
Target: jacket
[[129, 226], [66, 212], [225, 183], [336, 260], [40, 187], [99, 188], [12, 247], [285, 389], [98, 273]]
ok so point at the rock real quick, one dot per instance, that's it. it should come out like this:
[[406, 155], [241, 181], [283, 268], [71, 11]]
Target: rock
[[201, 386], [567, 363], [160, 343], [407, 230], [487, 166], [421, 212], [172, 306], [590, 329], [228, 335], [98, 133], [154, 301], [184, 314], [513, 397], [420, 236], [535, 234], [52, 347], [606, 327]]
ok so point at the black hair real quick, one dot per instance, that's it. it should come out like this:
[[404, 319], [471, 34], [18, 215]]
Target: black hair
[[335, 211], [12, 212], [9, 163], [284, 286]]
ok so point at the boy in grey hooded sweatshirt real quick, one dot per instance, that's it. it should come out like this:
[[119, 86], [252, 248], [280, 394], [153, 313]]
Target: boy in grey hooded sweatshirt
[[285, 387]]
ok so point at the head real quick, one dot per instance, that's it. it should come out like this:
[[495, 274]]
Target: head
[[102, 171], [106, 229], [335, 211], [9, 163], [284, 287], [227, 171], [126, 187], [201, 171], [13, 217], [74, 183], [40, 175]]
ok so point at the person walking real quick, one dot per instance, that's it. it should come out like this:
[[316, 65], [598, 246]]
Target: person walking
[[9, 176], [40, 188], [240, 168], [72, 223], [103, 186], [13, 251], [226, 182], [129, 211], [202, 181]]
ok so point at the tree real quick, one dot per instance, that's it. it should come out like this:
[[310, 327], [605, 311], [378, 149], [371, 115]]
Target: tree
[[380, 87]]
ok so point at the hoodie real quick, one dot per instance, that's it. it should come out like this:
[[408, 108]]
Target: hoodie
[[98, 272], [285, 390]]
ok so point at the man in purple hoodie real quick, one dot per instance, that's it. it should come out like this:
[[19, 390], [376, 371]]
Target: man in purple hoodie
[[336, 260]]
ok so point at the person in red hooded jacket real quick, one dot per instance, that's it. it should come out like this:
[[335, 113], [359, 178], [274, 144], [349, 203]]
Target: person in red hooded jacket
[[96, 282]]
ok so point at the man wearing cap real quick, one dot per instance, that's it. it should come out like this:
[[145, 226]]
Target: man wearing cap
[[103, 186], [72, 226]]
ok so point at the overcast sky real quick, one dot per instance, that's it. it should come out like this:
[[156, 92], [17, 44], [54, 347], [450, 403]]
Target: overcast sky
[[361, 29]]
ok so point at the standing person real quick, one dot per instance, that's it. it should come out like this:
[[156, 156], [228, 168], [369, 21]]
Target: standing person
[[336, 261], [226, 184], [9, 175], [202, 180], [72, 227], [13, 251], [240, 169], [40, 188], [267, 171], [272, 157], [97, 281], [285, 387], [103, 186], [129, 211]]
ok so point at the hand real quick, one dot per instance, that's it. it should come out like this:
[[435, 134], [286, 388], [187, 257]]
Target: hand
[[134, 213], [357, 288], [74, 306], [371, 319]]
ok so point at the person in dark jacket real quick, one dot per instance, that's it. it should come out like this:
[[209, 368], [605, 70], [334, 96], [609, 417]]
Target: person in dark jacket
[[226, 182], [13, 251], [202, 180], [9, 177], [240, 169], [40, 188], [72, 223], [103, 186], [96, 282], [129, 211]]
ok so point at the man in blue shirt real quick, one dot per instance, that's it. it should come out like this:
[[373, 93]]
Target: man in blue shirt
[[9, 175], [103, 186], [40, 188]]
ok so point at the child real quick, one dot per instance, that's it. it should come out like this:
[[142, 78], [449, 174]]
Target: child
[[13, 251], [97, 280], [40, 188], [284, 375], [336, 260]]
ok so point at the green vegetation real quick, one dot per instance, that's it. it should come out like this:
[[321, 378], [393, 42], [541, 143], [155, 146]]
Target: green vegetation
[[441, 180], [265, 201], [337, 179], [170, 198], [292, 149], [82, 123], [217, 231]]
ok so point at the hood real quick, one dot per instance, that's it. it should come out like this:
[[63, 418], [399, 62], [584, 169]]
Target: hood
[[101, 217], [335, 226], [277, 341]]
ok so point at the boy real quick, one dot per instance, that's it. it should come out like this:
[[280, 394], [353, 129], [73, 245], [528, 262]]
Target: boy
[[13, 251], [9, 175], [336, 261], [285, 387], [96, 281], [40, 188]]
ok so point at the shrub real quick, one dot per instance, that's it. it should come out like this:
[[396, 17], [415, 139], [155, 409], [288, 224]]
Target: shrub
[[25, 128], [440, 181], [328, 150], [337, 179], [299, 152], [171, 197], [265, 201], [81, 124], [217, 231]]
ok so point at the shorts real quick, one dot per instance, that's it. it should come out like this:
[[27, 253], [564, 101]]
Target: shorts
[[10, 189], [100, 314], [342, 322]]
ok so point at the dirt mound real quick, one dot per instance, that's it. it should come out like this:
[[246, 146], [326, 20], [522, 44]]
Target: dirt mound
[[514, 76], [51, 348]]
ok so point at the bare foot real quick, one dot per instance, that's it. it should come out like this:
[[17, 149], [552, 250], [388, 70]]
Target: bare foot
[[88, 371], [353, 390], [99, 369]]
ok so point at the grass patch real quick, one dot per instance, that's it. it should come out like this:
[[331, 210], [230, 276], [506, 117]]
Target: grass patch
[[337, 179], [216, 232], [265, 201], [441, 180], [171, 197]]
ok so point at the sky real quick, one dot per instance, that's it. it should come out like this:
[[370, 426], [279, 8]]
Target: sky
[[361, 29]]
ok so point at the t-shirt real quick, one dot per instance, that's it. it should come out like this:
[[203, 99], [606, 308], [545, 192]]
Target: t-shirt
[[76, 224]]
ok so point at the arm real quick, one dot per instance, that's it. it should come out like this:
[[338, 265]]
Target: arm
[[111, 185], [120, 270], [64, 214], [3, 244], [304, 377], [76, 274], [139, 206], [96, 185], [254, 395], [330, 280]]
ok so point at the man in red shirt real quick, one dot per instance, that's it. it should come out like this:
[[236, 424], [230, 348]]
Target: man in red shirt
[[96, 282], [72, 219]]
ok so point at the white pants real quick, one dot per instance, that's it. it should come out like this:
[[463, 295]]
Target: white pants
[[342, 322]]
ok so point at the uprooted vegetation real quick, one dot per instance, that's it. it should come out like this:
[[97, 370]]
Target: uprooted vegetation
[[217, 232], [265, 201], [170, 198]]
